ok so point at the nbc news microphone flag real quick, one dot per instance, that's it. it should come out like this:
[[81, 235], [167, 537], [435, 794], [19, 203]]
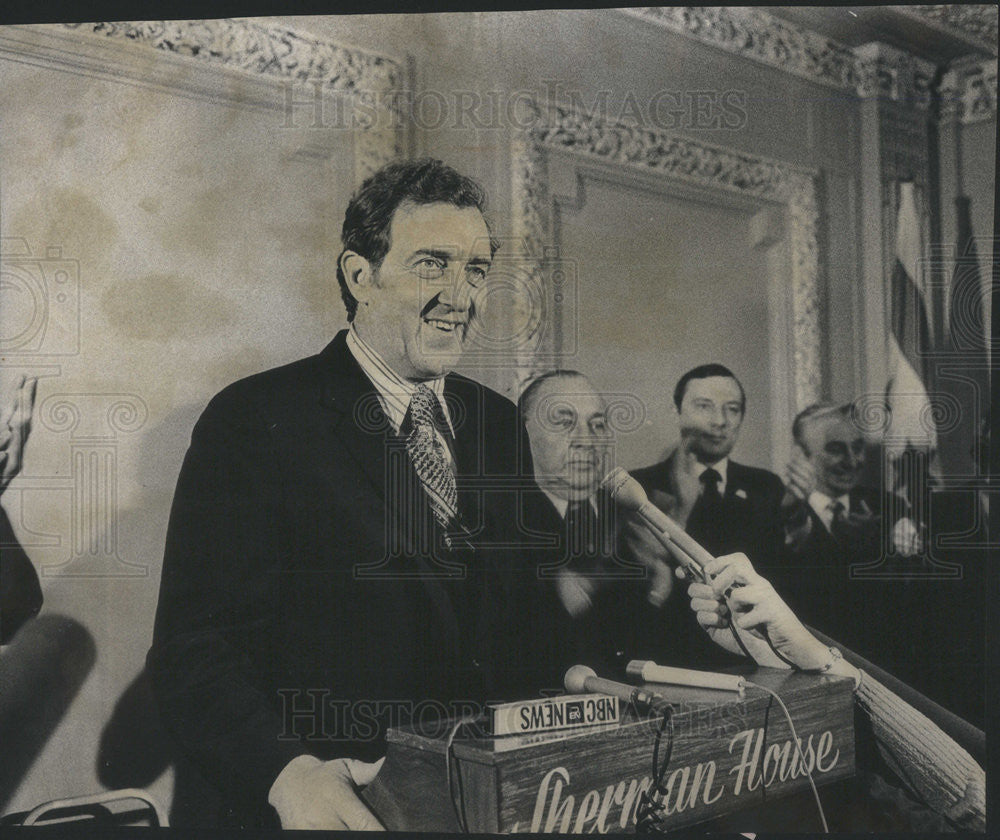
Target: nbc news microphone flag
[[911, 425]]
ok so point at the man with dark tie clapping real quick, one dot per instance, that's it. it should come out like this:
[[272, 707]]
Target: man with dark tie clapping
[[724, 505]]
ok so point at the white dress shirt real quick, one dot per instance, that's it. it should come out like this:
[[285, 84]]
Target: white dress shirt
[[823, 505], [394, 392]]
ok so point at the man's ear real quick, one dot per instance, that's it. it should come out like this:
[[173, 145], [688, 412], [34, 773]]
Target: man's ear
[[359, 275]]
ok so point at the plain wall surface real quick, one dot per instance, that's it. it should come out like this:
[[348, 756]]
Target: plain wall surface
[[201, 251], [658, 297]]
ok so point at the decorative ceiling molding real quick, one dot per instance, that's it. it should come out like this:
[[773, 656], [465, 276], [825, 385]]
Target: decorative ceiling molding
[[271, 51], [971, 21], [893, 74], [260, 47], [755, 34], [672, 156], [969, 92], [759, 36]]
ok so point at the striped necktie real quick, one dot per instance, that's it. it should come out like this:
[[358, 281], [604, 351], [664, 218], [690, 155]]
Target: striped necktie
[[427, 454]]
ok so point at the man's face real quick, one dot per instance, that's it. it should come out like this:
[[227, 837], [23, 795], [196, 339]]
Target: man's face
[[570, 440], [836, 450], [710, 417], [420, 300]]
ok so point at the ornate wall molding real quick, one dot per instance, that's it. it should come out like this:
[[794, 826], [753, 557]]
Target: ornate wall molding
[[969, 92], [264, 49], [973, 21], [259, 47], [755, 34], [682, 159], [893, 75]]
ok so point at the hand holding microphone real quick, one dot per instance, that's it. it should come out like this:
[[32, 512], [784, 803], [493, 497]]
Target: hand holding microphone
[[695, 562], [757, 608]]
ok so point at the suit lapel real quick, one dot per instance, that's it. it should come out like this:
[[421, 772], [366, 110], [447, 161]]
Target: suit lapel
[[366, 434], [737, 493], [358, 422]]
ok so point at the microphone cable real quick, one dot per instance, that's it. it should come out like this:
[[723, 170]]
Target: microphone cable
[[455, 779], [798, 750], [649, 814]]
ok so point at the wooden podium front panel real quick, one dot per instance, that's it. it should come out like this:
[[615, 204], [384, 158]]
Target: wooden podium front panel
[[726, 752]]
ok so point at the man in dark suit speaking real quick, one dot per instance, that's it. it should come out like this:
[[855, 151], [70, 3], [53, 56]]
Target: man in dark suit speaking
[[726, 506], [329, 556]]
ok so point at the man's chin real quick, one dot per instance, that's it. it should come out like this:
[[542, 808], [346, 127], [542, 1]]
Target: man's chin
[[436, 359], [714, 452]]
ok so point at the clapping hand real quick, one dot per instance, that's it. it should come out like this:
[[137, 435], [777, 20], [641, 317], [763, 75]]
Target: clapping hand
[[15, 426], [800, 475], [906, 539], [643, 547]]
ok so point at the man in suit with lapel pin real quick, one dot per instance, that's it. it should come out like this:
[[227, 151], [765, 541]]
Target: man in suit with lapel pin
[[726, 506], [331, 554]]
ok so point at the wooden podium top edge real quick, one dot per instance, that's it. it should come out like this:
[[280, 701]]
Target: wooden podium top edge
[[688, 702]]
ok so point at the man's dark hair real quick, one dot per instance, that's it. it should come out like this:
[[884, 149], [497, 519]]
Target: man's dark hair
[[369, 214], [815, 411], [530, 393], [704, 372]]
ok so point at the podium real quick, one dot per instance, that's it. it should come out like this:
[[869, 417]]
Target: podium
[[727, 752]]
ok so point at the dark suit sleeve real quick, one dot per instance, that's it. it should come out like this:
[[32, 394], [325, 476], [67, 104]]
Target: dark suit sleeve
[[217, 601], [774, 522], [20, 594]]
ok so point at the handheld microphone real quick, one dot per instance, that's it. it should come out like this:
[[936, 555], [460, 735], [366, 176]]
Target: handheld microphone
[[642, 670], [628, 493], [583, 680]]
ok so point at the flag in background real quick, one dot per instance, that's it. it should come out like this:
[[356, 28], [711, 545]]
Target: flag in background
[[911, 425], [910, 441], [967, 340]]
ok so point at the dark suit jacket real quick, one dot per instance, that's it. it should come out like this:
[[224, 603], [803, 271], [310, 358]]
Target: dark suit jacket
[[301, 605], [620, 626], [751, 520], [819, 576], [20, 594]]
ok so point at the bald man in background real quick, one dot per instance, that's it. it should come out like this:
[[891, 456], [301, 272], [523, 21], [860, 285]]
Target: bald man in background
[[594, 599]]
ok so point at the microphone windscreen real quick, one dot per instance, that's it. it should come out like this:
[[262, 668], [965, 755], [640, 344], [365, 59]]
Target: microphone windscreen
[[576, 679], [624, 489]]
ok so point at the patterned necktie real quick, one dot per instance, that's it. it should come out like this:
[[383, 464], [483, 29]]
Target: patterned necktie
[[427, 454]]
